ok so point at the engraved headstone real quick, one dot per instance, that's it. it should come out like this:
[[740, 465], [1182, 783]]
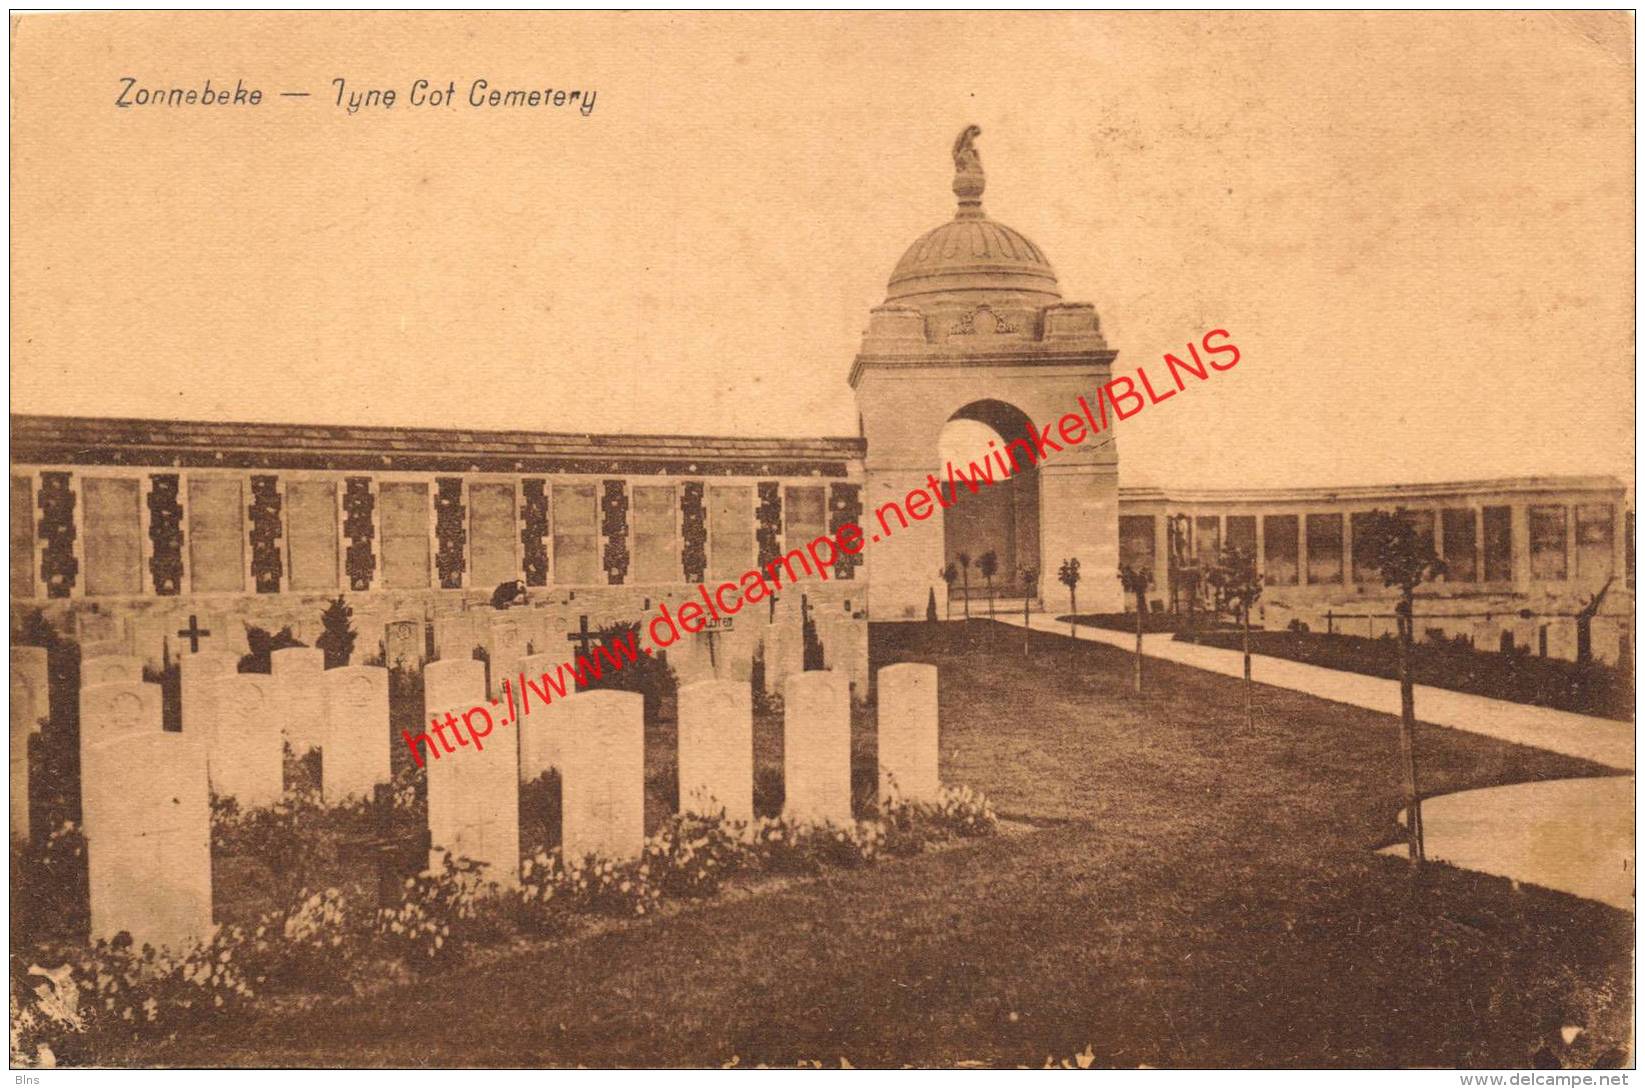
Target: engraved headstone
[[296, 672], [355, 748], [1605, 640], [198, 674], [817, 747], [603, 775], [455, 637], [717, 749], [403, 644], [148, 822], [1562, 639], [110, 669], [542, 724], [450, 686], [506, 646], [30, 703], [245, 753], [908, 732]]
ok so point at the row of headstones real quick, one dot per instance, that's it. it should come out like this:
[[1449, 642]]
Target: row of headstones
[[715, 654], [596, 740], [146, 808], [1555, 637]]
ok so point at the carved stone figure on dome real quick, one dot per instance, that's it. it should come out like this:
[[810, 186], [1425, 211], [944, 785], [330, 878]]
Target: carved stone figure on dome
[[966, 158]]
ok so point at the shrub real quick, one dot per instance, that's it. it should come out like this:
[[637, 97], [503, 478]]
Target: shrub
[[112, 991], [337, 638], [309, 944], [289, 837], [690, 855], [48, 890], [551, 887], [443, 912], [261, 647], [540, 813], [787, 846]]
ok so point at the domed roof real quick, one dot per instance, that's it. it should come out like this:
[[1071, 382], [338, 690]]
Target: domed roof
[[973, 255], [972, 258]]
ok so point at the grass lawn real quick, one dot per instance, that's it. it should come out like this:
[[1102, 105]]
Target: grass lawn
[[1589, 689], [1189, 894]]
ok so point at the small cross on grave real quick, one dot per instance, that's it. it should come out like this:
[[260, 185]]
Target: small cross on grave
[[193, 633], [584, 636]]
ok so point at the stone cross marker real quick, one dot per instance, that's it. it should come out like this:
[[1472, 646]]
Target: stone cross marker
[[245, 753], [817, 747], [717, 749], [354, 755], [602, 786], [148, 821], [908, 733], [296, 672], [30, 702], [193, 633]]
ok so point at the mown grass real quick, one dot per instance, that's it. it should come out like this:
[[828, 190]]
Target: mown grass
[[1195, 894]]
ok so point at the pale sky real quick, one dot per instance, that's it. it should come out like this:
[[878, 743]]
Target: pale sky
[[1418, 228]]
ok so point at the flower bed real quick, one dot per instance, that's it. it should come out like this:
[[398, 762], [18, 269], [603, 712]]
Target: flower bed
[[110, 993]]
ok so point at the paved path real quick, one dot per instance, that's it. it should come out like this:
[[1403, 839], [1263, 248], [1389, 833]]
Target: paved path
[[1574, 835], [1601, 740]]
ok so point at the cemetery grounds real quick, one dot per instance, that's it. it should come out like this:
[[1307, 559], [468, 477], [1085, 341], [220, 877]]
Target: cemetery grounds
[[1165, 888]]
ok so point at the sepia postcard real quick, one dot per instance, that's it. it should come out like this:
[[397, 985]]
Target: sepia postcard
[[1010, 540]]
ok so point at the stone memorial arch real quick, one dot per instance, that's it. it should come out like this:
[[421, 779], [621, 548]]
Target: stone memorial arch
[[974, 327]]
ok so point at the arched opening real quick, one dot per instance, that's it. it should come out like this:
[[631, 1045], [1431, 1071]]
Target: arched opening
[[990, 438]]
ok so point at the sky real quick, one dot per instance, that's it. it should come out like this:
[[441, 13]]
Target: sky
[[1419, 228]]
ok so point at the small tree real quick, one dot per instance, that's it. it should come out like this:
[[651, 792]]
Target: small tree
[[1237, 586], [931, 606], [950, 575], [337, 638], [989, 564], [1405, 560], [1030, 579], [965, 581], [1136, 582], [1069, 575]]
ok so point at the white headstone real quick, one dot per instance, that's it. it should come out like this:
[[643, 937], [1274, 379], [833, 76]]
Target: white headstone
[[105, 648], [772, 637], [148, 823], [354, 755], [450, 686], [717, 749], [542, 725], [908, 733], [403, 644], [817, 747], [455, 637], [602, 785], [734, 647], [506, 646], [473, 791], [110, 669], [1605, 640], [1562, 639], [30, 703], [245, 753], [296, 672], [197, 686]]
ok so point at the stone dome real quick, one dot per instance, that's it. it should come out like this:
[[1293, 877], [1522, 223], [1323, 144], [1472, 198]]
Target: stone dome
[[972, 259]]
